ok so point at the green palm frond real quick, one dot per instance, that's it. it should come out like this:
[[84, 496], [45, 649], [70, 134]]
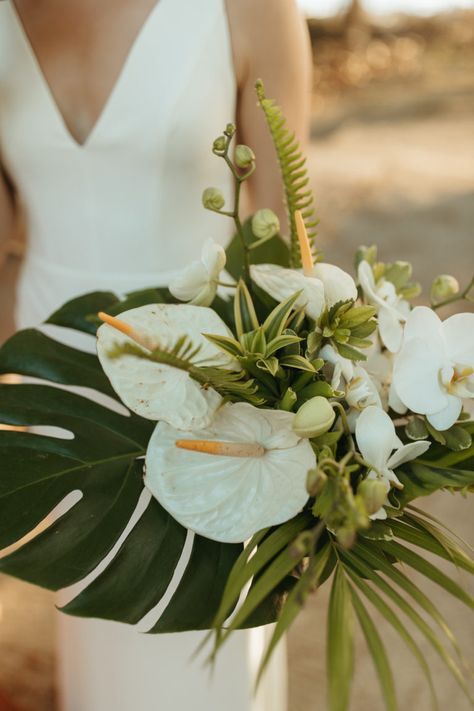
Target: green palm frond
[[298, 195]]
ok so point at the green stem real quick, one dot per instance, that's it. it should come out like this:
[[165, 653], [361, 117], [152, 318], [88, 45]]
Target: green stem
[[463, 296]]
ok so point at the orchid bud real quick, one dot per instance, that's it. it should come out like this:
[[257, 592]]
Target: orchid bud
[[265, 224], [219, 144], [315, 481], [373, 493], [213, 199], [443, 287], [230, 130], [244, 156], [314, 418]]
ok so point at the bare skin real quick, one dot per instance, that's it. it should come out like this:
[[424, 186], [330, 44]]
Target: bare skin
[[81, 46]]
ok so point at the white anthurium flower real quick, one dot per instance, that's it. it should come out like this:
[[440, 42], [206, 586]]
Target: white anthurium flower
[[154, 390], [392, 309], [198, 282], [322, 285], [343, 368], [281, 283], [434, 370], [246, 471], [382, 449]]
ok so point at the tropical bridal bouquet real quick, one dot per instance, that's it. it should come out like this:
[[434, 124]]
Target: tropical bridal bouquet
[[286, 413]]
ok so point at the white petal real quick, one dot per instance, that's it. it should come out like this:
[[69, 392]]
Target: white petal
[[394, 400], [281, 283], [161, 392], [228, 498], [342, 366], [362, 390], [415, 377], [213, 258], [338, 284], [390, 329], [189, 282], [424, 323], [458, 332], [367, 281], [375, 435], [445, 418], [407, 453]]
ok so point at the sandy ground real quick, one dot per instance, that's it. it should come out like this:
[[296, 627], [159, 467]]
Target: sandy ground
[[402, 179]]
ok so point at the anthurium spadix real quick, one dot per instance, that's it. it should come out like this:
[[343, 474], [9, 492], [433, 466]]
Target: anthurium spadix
[[198, 282], [434, 370], [392, 309], [381, 448], [245, 472], [159, 391], [322, 285]]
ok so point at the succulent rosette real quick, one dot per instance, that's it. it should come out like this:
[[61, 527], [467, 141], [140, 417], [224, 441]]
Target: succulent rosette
[[284, 412]]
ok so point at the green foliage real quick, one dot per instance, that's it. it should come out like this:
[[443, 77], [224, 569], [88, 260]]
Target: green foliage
[[292, 162], [346, 327], [104, 461]]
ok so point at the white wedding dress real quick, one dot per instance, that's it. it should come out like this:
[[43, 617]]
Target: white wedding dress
[[121, 212]]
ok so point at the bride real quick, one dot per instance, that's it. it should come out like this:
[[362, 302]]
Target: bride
[[107, 114]]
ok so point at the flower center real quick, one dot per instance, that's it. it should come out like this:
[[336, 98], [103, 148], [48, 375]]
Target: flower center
[[223, 449]]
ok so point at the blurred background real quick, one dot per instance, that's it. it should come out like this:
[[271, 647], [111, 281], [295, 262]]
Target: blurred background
[[391, 160]]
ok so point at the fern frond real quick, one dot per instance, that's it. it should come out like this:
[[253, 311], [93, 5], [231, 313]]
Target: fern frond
[[298, 195]]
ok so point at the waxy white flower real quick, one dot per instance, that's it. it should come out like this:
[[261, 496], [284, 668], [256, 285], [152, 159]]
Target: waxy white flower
[[246, 471], [154, 390], [377, 440], [392, 309], [361, 392], [343, 368], [198, 282], [322, 285], [434, 370]]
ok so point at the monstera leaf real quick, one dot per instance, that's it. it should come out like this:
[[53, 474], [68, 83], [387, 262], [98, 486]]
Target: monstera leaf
[[98, 452]]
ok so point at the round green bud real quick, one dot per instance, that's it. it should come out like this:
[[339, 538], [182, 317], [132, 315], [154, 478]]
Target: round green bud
[[443, 287], [315, 481], [213, 199], [265, 224], [219, 144], [230, 130], [244, 156], [314, 418], [373, 493]]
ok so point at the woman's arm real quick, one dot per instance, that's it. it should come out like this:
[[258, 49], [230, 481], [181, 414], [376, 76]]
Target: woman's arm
[[270, 42]]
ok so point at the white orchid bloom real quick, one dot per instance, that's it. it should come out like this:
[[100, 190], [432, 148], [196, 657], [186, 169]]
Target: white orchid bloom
[[154, 390], [198, 282], [361, 392], [343, 368], [392, 309], [377, 440], [246, 471], [434, 370], [322, 285]]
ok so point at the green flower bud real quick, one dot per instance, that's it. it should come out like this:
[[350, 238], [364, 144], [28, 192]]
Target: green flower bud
[[265, 224], [230, 130], [443, 287], [373, 493], [244, 156], [213, 199], [315, 481], [219, 144], [314, 418]]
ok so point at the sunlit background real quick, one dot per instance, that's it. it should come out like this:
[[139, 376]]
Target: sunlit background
[[325, 8]]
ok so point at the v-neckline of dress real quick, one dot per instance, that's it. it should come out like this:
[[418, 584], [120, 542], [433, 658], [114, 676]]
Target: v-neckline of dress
[[114, 89]]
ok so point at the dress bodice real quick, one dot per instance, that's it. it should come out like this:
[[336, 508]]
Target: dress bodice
[[124, 209]]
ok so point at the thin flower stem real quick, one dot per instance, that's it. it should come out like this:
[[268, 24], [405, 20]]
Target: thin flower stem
[[463, 296]]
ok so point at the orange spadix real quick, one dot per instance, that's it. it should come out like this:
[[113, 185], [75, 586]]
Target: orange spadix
[[305, 246], [224, 449], [124, 328]]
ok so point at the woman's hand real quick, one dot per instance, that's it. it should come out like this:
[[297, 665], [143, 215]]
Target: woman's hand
[[270, 42]]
